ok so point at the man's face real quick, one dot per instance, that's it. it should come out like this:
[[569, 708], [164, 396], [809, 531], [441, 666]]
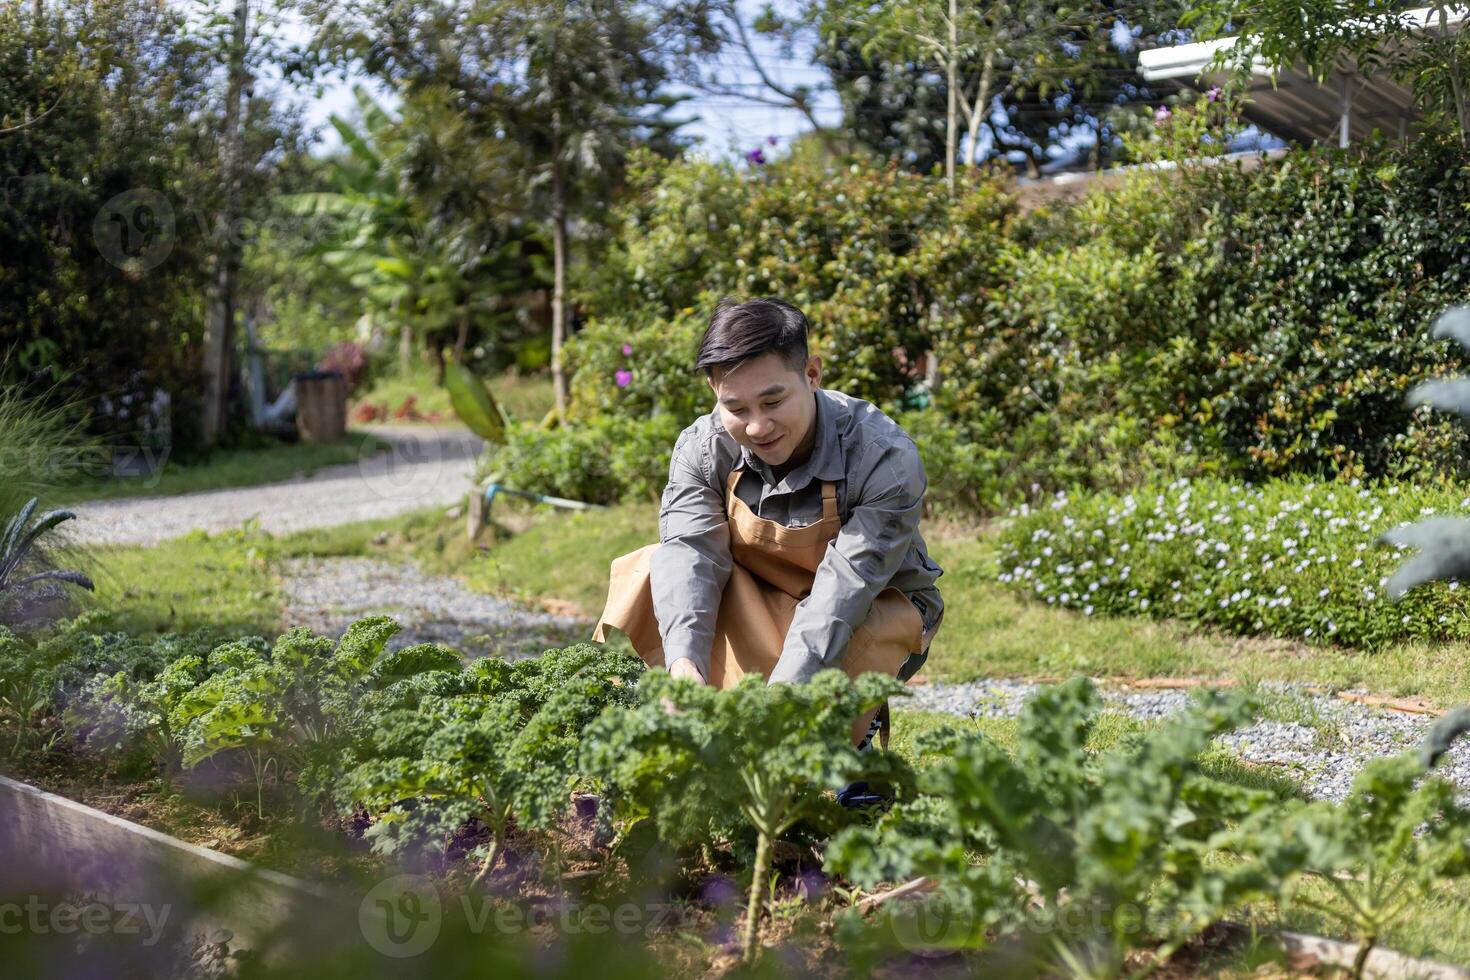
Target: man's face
[[767, 406]]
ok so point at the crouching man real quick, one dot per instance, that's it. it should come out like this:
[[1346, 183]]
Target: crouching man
[[789, 530]]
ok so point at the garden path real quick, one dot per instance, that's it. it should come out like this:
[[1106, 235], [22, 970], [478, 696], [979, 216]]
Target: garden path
[[426, 465], [329, 594]]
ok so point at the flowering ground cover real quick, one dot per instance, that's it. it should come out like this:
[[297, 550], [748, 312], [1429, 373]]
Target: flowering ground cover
[[1289, 558]]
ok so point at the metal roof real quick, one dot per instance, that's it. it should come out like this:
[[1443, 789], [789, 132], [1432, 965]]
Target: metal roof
[[1290, 103]]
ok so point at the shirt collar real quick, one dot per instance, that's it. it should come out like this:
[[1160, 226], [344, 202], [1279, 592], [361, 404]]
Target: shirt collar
[[825, 462]]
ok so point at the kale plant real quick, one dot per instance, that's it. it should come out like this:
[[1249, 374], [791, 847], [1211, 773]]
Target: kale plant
[[23, 563], [1397, 837], [1092, 854], [27, 673], [503, 750], [301, 705], [119, 712], [691, 757]]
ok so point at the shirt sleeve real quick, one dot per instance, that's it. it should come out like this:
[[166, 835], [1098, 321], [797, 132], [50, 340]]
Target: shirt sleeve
[[860, 562], [689, 569]]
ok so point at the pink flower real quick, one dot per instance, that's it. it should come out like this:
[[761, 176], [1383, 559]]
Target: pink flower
[[1162, 115], [623, 377], [1215, 94], [627, 348]]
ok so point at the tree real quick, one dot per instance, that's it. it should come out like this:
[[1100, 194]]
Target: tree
[[424, 226], [1034, 73], [571, 85], [219, 333], [1419, 47]]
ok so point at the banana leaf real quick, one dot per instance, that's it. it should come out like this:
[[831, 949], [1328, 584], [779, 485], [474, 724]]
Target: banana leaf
[[473, 403]]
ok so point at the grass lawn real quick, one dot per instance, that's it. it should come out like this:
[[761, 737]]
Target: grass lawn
[[221, 582], [227, 468], [520, 397]]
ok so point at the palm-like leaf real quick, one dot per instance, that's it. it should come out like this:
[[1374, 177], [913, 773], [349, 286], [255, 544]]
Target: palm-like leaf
[[1444, 544], [1446, 395], [1454, 323]]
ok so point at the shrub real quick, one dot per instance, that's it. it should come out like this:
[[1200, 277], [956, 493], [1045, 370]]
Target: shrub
[[1289, 558], [880, 260], [602, 462]]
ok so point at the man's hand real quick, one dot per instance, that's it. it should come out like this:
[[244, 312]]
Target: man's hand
[[684, 667]]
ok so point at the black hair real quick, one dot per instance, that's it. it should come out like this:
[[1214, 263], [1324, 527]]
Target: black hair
[[738, 331]]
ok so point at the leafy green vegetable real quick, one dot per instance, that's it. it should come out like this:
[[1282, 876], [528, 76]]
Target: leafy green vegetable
[[691, 757], [1399, 835], [505, 749], [26, 677], [1081, 855], [301, 705]]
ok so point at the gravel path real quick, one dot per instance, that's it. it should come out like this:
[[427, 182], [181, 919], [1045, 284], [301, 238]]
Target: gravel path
[[1319, 740], [427, 465], [328, 594]]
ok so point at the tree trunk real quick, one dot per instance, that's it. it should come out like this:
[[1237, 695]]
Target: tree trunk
[[559, 266], [220, 320], [982, 104], [952, 80]]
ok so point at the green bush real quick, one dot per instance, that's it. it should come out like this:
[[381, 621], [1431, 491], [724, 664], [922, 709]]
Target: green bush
[[879, 259], [605, 461], [1289, 558], [1270, 319]]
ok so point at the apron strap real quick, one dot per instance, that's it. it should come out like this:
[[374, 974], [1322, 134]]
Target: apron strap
[[829, 494]]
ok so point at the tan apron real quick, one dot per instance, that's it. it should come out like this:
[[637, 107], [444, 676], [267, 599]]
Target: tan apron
[[772, 569]]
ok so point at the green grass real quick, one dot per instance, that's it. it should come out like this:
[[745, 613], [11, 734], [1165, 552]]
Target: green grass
[[228, 468], [521, 397], [559, 555], [221, 582]]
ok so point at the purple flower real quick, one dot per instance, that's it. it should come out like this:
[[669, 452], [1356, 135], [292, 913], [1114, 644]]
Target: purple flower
[[624, 377], [627, 349], [1162, 115], [756, 157], [1215, 94], [773, 140]]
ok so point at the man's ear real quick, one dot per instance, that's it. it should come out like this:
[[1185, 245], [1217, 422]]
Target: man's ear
[[814, 371]]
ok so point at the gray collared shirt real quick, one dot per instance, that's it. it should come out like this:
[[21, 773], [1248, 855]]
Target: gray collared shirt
[[880, 488]]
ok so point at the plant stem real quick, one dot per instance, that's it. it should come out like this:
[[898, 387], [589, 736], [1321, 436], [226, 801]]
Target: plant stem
[[491, 856], [757, 895], [1360, 962]]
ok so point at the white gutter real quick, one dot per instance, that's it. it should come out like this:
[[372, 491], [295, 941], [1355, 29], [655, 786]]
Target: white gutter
[[1193, 60]]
